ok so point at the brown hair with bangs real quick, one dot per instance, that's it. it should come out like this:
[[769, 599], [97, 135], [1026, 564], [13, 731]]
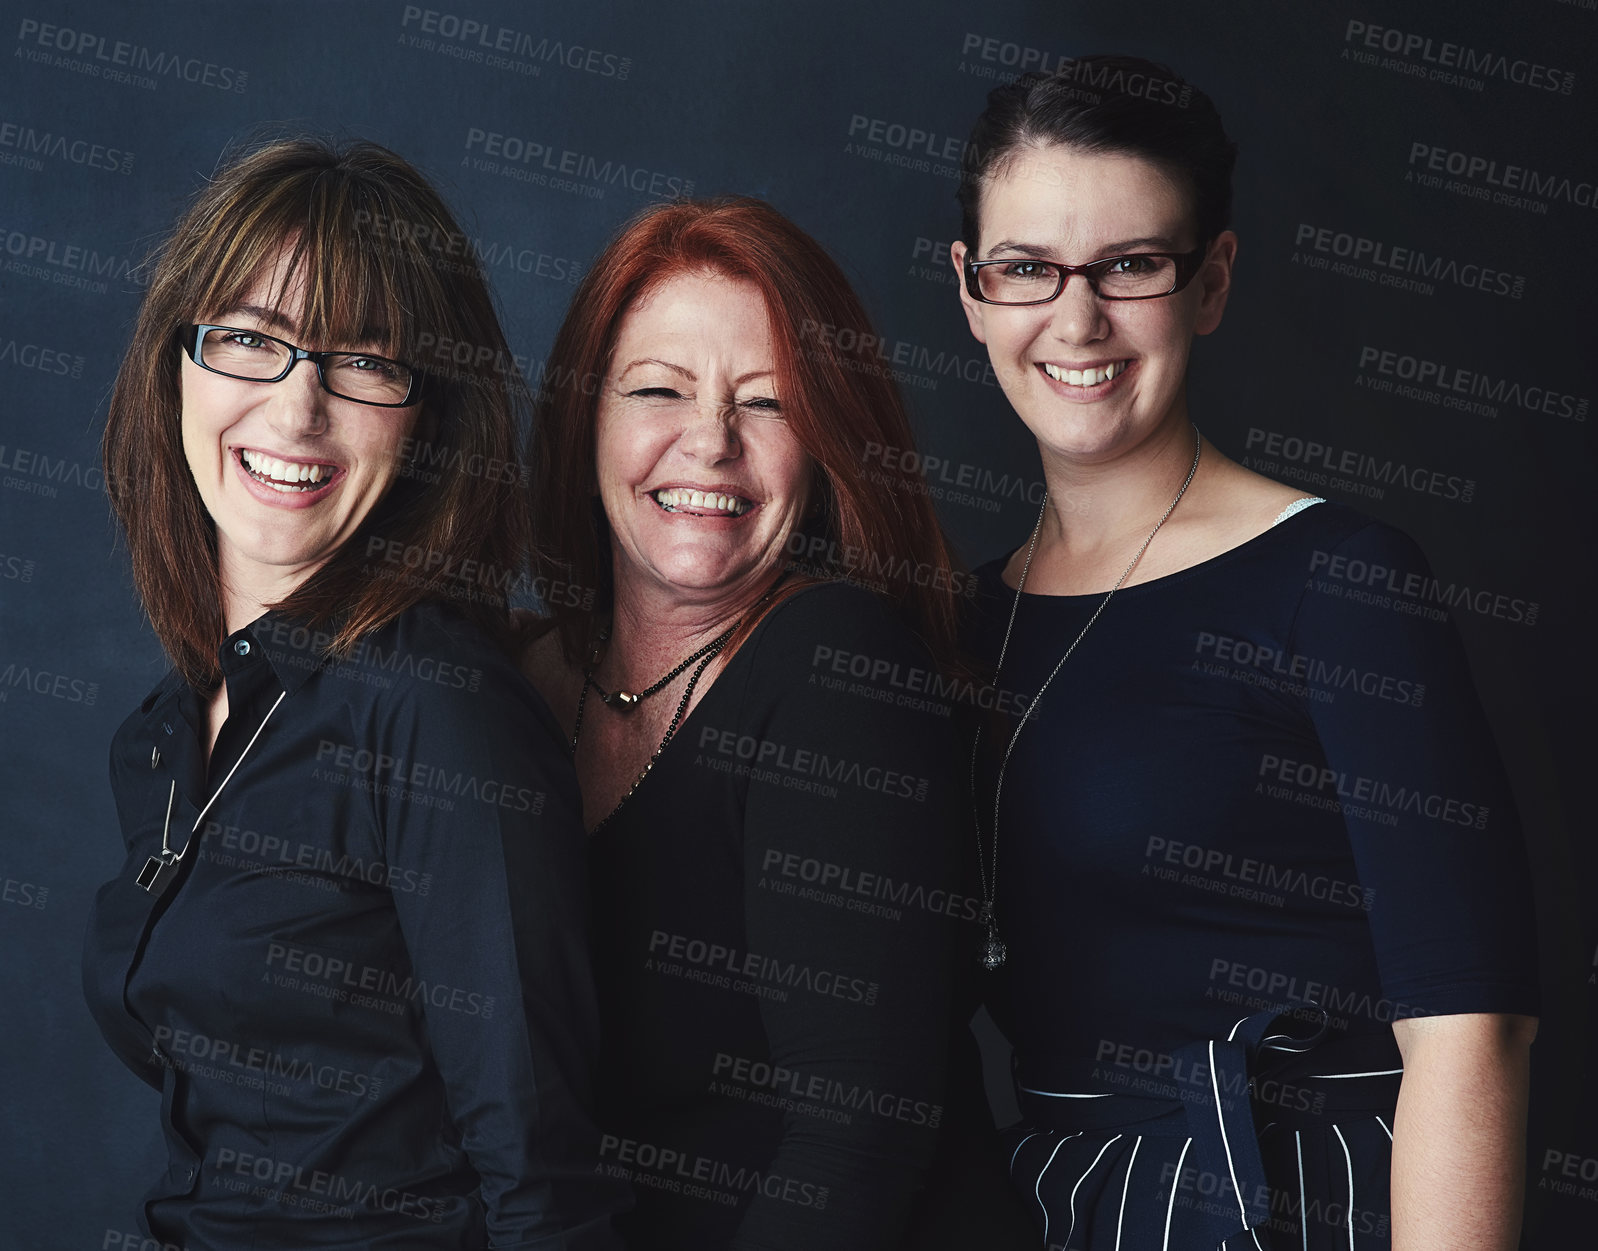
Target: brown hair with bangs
[[382, 262], [840, 404]]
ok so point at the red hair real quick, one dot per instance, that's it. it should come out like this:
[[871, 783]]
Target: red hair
[[840, 403]]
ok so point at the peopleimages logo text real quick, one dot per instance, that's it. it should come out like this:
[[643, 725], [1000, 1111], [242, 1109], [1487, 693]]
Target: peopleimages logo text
[[1447, 55]]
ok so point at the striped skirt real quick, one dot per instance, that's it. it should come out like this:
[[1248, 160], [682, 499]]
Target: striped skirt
[[1253, 1142]]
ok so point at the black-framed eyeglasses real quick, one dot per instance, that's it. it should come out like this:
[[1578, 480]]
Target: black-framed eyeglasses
[[1135, 276], [255, 357]]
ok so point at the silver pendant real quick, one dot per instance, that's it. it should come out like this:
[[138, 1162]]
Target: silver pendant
[[993, 951], [157, 872]]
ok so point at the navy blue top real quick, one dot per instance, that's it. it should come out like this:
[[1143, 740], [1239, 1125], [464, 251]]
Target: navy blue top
[[365, 997], [1263, 783]]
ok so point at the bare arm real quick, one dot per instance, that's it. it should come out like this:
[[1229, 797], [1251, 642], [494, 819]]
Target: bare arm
[[1459, 1135]]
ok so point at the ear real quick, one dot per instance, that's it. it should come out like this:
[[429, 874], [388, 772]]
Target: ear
[[973, 308], [1214, 280]]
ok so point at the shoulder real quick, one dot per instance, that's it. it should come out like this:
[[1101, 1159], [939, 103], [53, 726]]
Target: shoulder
[[1363, 584], [823, 631], [839, 666], [1229, 506], [1329, 536], [436, 631], [432, 662], [1257, 503], [831, 616]]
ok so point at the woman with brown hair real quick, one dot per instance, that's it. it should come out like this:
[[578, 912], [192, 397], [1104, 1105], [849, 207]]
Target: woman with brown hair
[[763, 741], [348, 942]]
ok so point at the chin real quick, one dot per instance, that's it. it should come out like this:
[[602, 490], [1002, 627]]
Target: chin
[[703, 574]]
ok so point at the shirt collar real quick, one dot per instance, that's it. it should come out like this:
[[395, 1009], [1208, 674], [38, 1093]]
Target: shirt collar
[[294, 648], [291, 647]]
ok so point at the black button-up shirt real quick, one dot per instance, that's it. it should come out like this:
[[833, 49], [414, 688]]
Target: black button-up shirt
[[364, 992]]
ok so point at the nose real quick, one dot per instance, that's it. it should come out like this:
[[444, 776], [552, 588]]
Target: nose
[[297, 406], [712, 432], [1077, 315]]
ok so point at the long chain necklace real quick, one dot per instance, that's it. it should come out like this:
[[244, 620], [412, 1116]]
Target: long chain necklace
[[626, 701], [159, 870], [994, 951]]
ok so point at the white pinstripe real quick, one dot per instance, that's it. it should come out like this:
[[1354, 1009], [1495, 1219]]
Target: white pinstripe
[[1038, 1186], [1221, 1120], [1074, 1189], [1383, 1124], [1061, 1094], [1350, 1160], [1303, 1202], [1175, 1181], [1124, 1185], [1377, 1073], [1018, 1147]]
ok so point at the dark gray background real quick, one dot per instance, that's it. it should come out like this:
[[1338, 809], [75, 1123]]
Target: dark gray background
[[769, 99]]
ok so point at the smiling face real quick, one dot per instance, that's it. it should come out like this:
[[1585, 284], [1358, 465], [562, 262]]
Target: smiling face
[[286, 471], [1092, 378], [701, 480]]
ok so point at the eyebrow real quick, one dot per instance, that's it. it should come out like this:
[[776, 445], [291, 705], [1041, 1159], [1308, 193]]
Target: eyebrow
[[1156, 242], [688, 373], [268, 316], [650, 360]]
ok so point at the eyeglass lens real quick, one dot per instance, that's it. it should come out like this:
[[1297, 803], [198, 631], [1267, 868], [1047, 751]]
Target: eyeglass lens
[[353, 375], [1122, 278]]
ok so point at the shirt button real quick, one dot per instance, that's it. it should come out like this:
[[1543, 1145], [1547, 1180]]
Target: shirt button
[[242, 647]]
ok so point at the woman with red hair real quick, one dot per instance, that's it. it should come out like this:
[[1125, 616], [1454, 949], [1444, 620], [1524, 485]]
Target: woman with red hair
[[744, 606]]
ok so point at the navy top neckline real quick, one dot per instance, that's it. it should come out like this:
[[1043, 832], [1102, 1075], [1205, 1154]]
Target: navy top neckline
[[994, 569]]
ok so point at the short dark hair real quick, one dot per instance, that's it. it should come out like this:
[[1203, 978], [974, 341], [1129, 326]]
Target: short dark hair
[[376, 248], [1106, 104]]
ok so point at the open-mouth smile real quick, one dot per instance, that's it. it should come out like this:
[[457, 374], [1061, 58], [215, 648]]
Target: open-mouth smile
[[701, 503], [287, 477], [1085, 378]]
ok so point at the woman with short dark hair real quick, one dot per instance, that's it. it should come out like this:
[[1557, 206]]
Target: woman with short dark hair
[[349, 941], [1258, 913]]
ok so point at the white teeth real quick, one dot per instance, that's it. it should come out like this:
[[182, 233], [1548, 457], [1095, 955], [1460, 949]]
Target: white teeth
[[281, 474], [675, 498], [1085, 377]]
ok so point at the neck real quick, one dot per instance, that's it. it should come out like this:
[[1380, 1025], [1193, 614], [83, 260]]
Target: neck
[[248, 594], [1094, 503], [654, 627]]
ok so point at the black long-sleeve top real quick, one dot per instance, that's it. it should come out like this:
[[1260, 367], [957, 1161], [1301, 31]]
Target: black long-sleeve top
[[365, 997], [777, 904]]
